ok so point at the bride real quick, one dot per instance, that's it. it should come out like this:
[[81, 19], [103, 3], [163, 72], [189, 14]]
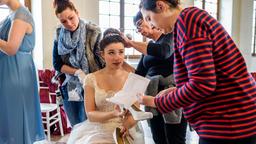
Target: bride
[[104, 117]]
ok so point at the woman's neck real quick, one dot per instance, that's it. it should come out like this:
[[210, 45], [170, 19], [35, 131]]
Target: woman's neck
[[13, 5], [111, 71], [174, 16], [156, 35]]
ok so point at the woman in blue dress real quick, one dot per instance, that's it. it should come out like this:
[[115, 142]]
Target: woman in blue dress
[[20, 116]]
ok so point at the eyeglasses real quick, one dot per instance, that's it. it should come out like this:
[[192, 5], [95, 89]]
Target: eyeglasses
[[138, 25]]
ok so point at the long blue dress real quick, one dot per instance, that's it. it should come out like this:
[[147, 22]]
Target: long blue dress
[[20, 116]]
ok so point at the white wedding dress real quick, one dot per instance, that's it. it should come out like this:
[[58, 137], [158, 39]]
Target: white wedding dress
[[101, 133]]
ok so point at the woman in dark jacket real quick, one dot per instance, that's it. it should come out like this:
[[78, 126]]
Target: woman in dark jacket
[[156, 64]]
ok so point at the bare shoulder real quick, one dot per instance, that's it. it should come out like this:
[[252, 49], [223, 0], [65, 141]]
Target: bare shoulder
[[98, 73]]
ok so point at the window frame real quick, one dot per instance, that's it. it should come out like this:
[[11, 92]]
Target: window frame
[[27, 4], [122, 28], [218, 7], [253, 50], [2, 7]]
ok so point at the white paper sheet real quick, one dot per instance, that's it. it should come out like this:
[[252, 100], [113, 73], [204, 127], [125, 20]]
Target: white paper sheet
[[127, 96]]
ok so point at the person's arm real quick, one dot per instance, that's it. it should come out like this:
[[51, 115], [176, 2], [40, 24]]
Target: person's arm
[[67, 69], [197, 55], [56, 58], [141, 70], [58, 63], [17, 32], [139, 46], [90, 106], [162, 48]]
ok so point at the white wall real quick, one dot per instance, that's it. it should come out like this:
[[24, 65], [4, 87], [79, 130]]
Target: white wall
[[235, 15], [225, 14], [246, 33], [38, 51], [187, 3], [235, 22], [88, 9]]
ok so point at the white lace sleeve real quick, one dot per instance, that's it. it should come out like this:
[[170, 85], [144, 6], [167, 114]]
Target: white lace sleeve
[[89, 80]]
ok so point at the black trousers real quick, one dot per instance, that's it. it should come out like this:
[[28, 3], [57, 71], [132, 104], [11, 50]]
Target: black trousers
[[168, 133], [250, 140]]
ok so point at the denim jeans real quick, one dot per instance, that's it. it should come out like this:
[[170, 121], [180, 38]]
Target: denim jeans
[[74, 109]]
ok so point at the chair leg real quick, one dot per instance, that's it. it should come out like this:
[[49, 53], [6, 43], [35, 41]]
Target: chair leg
[[48, 125], [60, 122]]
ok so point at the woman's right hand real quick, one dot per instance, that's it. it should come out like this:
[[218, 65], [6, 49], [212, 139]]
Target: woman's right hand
[[127, 40], [146, 100], [118, 112], [166, 91]]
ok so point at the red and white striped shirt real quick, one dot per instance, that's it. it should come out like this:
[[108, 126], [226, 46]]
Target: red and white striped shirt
[[213, 85]]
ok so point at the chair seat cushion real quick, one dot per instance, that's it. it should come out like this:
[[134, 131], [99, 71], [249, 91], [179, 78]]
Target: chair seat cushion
[[47, 107]]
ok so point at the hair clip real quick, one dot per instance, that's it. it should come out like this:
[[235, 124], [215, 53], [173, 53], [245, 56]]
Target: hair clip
[[111, 34]]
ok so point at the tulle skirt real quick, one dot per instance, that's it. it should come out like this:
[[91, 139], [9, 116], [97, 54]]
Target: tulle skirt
[[101, 133]]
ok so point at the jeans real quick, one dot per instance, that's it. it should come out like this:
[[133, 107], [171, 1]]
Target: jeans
[[250, 140], [74, 109]]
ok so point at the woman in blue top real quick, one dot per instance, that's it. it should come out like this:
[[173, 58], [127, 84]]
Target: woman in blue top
[[20, 116]]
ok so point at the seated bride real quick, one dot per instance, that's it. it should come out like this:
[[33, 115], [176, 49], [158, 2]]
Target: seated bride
[[105, 117]]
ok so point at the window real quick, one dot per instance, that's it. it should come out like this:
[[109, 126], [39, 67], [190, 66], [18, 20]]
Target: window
[[4, 11], [119, 14], [211, 6], [254, 30]]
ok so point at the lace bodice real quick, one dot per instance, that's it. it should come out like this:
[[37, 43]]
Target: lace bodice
[[100, 97], [99, 133]]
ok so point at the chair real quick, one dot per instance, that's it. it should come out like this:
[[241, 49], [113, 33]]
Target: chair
[[47, 78], [50, 112]]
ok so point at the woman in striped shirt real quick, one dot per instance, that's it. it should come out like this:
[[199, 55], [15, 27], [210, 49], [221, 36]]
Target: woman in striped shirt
[[213, 85]]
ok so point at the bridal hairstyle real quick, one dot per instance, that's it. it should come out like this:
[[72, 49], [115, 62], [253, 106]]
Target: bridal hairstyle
[[61, 5], [110, 36], [150, 5]]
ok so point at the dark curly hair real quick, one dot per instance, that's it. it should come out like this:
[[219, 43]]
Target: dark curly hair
[[111, 35], [151, 4], [61, 5]]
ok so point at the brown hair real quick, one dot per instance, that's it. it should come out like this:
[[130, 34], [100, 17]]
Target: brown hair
[[151, 4], [61, 5]]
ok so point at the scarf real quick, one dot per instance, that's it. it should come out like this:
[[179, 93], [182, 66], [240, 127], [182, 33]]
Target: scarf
[[72, 44]]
